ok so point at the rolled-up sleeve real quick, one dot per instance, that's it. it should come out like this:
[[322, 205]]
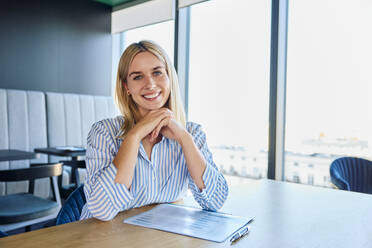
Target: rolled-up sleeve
[[105, 198], [213, 196]]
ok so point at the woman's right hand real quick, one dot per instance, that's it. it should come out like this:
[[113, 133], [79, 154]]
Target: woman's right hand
[[149, 122]]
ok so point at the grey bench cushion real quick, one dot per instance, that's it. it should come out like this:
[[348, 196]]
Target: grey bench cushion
[[23, 127]]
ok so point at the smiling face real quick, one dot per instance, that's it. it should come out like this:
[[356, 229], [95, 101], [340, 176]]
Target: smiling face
[[148, 82]]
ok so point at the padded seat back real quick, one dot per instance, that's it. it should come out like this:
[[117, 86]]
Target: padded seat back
[[31, 119], [70, 118], [353, 174], [72, 208], [23, 127]]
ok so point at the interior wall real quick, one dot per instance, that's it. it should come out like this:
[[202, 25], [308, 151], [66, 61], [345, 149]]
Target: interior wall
[[59, 46]]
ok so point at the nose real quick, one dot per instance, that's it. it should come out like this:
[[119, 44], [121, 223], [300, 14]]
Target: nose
[[150, 83]]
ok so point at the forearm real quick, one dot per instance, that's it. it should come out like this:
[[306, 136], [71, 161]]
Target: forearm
[[195, 161], [99, 203], [125, 160], [105, 198]]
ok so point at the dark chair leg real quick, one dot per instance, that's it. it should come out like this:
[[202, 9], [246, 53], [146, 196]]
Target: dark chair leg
[[60, 180]]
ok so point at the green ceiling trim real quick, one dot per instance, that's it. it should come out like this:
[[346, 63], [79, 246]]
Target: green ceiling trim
[[114, 3]]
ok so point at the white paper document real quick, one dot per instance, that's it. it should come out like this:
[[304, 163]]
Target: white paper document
[[189, 221], [70, 148]]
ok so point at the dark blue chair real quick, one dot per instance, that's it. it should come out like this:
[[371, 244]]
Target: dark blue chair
[[22, 210], [71, 210], [352, 174], [3, 234]]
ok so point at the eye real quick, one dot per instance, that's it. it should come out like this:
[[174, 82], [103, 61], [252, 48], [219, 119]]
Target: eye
[[137, 77], [157, 73]]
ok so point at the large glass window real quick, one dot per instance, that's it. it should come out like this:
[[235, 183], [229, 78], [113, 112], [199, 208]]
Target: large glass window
[[162, 33], [329, 86], [229, 81]]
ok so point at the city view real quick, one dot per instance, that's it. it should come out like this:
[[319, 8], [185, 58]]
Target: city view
[[311, 166]]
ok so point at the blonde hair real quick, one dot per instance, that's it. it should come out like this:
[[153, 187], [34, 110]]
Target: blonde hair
[[125, 103]]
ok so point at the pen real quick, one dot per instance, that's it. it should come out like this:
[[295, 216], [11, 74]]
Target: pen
[[240, 233]]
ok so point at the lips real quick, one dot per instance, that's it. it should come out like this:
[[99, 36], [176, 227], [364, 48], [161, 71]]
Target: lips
[[151, 96]]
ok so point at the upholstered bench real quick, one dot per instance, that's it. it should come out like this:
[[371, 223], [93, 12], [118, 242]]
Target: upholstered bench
[[70, 117], [32, 119], [23, 126]]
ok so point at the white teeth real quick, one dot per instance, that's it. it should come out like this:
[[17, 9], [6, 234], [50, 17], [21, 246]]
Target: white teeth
[[152, 96]]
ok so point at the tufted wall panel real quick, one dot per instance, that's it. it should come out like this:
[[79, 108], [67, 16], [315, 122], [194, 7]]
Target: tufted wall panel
[[70, 117], [23, 127], [31, 119]]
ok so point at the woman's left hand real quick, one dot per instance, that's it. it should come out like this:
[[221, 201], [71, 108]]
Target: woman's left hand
[[170, 129]]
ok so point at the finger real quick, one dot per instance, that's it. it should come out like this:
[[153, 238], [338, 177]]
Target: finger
[[152, 137], [157, 129], [152, 120], [156, 116], [159, 111], [162, 124], [155, 132], [164, 115]]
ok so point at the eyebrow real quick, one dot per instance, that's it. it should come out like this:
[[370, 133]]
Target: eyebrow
[[138, 72], [135, 72], [158, 67]]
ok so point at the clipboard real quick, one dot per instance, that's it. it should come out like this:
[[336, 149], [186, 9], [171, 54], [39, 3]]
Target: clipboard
[[190, 221]]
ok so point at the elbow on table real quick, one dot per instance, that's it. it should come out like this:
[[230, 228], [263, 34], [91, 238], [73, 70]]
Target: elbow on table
[[104, 213], [105, 216], [217, 202]]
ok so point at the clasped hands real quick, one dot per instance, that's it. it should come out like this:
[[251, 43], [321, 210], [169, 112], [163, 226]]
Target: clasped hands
[[159, 121]]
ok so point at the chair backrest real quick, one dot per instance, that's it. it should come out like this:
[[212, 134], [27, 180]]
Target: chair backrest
[[351, 173], [73, 206], [23, 127], [3, 234], [24, 210], [36, 171]]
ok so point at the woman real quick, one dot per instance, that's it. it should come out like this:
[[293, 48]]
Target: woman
[[150, 154]]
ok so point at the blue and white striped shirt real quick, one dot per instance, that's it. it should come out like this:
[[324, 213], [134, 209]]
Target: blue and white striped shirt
[[164, 178]]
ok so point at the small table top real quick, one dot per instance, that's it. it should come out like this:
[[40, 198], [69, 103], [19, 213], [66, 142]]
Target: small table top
[[63, 152], [285, 215], [11, 154]]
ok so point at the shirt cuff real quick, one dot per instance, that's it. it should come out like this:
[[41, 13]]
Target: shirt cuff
[[118, 193], [210, 179]]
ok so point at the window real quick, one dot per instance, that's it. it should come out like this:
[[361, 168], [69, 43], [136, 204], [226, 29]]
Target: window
[[296, 178], [229, 81], [310, 179], [328, 85], [162, 33]]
